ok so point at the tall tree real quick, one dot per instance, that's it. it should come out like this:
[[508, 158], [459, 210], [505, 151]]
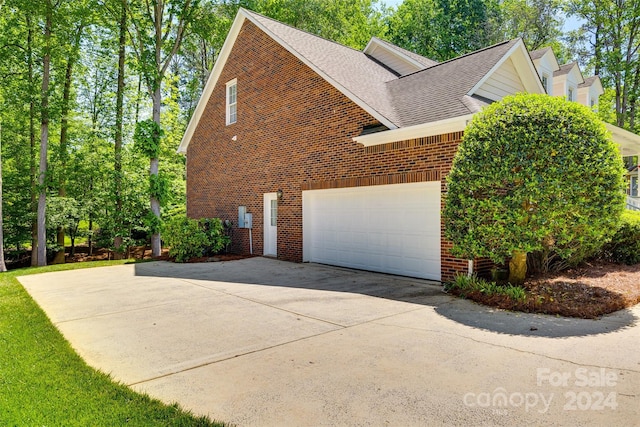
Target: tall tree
[[611, 34], [159, 28], [44, 135], [81, 16], [442, 30], [538, 22], [117, 163], [3, 267]]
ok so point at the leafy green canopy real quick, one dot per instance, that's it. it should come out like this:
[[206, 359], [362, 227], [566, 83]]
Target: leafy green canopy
[[533, 173]]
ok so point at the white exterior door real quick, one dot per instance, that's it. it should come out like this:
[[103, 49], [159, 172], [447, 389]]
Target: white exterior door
[[270, 224], [387, 228]]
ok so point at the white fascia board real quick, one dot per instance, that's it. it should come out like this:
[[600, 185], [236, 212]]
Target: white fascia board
[[531, 81], [366, 107], [212, 80], [628, 142], [455, 124]]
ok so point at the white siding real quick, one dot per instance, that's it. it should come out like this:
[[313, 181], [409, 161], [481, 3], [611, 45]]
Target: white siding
[[504, 81], [545, 67]]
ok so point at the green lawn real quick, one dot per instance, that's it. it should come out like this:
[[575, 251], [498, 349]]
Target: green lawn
[[43, 382]]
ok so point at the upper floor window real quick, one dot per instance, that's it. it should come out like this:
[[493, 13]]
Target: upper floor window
[[571, 94], [593, 102], [232, 101], [545, 82]]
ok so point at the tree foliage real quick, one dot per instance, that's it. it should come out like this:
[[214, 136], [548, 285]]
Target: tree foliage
[[533, 173], [538, 22], [608, 42], [442, 30]]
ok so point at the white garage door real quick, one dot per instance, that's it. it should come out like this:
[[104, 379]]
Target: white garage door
[[388, 228]]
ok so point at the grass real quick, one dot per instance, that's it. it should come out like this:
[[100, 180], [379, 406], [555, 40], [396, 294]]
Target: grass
[[44, 382]]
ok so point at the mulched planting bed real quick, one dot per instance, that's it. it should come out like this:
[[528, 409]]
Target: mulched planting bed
[[587, 291]]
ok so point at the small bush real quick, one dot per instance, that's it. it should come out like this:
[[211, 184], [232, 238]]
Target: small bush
[[624, 247], [464, 285], [190, 238]]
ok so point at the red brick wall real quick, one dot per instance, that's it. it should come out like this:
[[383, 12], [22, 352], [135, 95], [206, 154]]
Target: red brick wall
[[294, 132]]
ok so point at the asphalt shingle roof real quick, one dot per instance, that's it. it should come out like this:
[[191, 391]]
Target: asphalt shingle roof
[[440, 92], [435, 93], [588, 81], [564, 69], [537, 54]]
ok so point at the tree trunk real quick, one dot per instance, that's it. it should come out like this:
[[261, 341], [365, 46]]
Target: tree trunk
[[63, 154], [44, 140], [90, 234], [518, 268], [117, 166], [3, 266], [32, 142], [153, 170]]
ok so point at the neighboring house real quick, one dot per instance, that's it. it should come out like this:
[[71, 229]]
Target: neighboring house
[[567, 81], [340, 155]]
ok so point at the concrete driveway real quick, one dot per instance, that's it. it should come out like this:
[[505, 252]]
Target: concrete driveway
[[264, 342]]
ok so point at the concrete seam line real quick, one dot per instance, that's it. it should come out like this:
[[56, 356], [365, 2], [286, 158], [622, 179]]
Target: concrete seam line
[[232, 357]]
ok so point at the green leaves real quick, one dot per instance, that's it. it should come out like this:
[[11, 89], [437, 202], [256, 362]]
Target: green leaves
[[189, 238], [533, 173], [442, 30], [147, 138]]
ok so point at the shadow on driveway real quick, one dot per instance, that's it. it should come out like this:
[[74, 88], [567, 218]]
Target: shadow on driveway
[[275, 273]]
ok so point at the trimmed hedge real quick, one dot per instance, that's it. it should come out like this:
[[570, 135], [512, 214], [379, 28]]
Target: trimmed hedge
[[624, 247], [191, 238]]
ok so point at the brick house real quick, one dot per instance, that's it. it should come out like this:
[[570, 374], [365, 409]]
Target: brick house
[[339, 155]]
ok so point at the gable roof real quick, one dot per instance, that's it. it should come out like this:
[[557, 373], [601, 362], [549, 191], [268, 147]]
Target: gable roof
[[443, 91], [565, 69], [537, 54], [589, 81], [438, 91]]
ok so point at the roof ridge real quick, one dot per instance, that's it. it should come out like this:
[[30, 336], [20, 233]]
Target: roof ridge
[[460, 57]]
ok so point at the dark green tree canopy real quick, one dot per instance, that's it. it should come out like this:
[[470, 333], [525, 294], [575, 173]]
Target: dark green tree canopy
[[442, 30], [533, 173]]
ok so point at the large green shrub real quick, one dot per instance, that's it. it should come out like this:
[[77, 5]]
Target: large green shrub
[[624, 247], [533, 173], [190, 238]]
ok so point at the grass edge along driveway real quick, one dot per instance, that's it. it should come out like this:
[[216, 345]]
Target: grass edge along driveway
[[44, 382]]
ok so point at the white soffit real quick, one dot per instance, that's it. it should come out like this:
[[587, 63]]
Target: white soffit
[[456, 124], [628, 142]]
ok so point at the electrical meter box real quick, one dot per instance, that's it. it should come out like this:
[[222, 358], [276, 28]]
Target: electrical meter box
[[248, 220], [242, 210]]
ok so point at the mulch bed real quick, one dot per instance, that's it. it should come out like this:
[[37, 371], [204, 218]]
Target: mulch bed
[[144, 253], [588, 291]]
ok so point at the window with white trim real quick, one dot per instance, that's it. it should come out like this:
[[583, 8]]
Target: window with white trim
[[571, 94], [545, 82], [232, 101]]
